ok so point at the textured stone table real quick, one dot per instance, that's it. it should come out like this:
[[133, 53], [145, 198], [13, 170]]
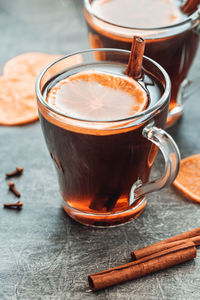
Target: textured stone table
[[43, 253]]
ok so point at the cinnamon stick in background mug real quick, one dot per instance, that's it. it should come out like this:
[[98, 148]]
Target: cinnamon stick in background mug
[[190, 6]]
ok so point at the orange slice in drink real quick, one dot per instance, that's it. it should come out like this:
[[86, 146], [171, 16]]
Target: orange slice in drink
[[99, 96], [28, 64], [17, 100], [188, 177]]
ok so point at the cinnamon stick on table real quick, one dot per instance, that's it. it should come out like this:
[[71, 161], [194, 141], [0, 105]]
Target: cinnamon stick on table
[[190, 6], [149, 264], [137, 254]]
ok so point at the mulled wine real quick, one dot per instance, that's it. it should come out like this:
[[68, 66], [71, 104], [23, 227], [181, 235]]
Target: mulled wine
[[171, 36], [94, 120]]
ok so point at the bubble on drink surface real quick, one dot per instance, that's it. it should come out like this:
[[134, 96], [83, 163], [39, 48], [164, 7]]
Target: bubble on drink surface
[[98, 96]]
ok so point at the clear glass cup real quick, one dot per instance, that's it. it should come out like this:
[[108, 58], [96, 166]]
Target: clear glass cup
[[173, 47], [103, 167]]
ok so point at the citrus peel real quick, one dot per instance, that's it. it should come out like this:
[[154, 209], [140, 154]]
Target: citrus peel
[[30, 64], [17, 87], [188, 177], [17, 100]]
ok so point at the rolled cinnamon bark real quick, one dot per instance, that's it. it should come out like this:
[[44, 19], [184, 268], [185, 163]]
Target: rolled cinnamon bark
[[144, 266], [194, 235], [134, 68], [154, 248], [190, 6]]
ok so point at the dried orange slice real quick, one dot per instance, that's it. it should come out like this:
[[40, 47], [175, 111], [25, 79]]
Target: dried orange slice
[[188, 177], [100, 96], [30, 64], [17, 100], [17, 86]]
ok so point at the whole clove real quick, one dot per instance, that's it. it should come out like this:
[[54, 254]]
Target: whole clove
[[17, 205], [13, 189], [17, 172]]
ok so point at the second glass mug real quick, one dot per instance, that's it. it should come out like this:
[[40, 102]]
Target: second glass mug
[[173, 47], [103, 167]]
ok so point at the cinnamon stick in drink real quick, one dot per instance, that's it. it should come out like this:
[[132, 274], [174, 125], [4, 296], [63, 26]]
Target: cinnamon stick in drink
[[134, 68], [190, 6], [108, 196], [144, 266], [105, 198], [137, 254]]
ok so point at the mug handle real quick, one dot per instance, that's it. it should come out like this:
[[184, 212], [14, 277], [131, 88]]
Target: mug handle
[[171, 156]]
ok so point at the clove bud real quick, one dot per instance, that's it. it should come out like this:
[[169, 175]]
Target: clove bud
[[13, 189], [18, 205], [17, 172]]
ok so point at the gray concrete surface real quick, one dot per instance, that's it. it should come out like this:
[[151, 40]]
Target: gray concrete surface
[[43, 253]]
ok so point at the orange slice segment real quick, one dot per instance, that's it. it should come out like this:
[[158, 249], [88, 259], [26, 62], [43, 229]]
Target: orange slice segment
[[98, 96], [188, 178], [17, 100], [30, 64]]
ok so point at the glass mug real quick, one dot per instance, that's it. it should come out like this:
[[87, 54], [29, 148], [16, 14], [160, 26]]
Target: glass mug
[[173, 47], [103, 167]]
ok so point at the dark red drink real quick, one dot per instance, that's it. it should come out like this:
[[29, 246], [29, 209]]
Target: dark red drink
[[100, 152], [171, 37]]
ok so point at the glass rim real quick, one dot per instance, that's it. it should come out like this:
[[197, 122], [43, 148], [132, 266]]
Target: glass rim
[[189, 19], [137, 116]]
